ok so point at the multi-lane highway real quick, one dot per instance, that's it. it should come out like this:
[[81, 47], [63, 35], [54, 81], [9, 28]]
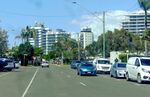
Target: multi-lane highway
[[61, 81]]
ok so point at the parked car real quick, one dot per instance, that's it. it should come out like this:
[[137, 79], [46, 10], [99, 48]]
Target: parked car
[[118, 70], [8, 64], [16, 64], [2, 64], [102, 65], [138, 68], [45, 64], [86, 68], [74, 64]]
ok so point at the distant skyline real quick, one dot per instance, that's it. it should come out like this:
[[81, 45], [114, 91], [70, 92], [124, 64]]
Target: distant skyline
[[63, 14]]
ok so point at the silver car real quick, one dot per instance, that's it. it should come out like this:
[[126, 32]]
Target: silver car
[[45, 64], [118, 70]]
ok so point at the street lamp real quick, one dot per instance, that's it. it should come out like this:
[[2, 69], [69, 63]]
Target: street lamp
[[103, 20]]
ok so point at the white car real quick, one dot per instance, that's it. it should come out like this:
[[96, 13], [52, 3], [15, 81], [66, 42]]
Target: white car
[[102, 65], [44, 64], [138, 68]]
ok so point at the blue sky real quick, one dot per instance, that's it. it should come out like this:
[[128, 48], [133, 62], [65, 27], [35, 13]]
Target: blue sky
[[17, 14]]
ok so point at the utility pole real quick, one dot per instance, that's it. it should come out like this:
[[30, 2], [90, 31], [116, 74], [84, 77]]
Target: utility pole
[[104, 55], [78, 46]]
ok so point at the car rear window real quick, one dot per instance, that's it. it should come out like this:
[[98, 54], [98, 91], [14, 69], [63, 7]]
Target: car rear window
[[122, 65], [103, 62], [145, 62]]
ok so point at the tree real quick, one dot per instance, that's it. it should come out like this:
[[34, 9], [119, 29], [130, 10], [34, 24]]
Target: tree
[[38, 51], [3, 42], [25, 52], [65, 48], [145, 5], [91, 50], [26, 34]]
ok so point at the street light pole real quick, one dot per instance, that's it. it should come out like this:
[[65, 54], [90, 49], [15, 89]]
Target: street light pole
[[104, 34], [104, 43]]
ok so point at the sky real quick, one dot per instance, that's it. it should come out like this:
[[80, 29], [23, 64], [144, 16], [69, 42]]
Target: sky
[[63, 14]]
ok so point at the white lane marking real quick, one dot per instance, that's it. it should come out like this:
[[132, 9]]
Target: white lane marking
[[83, 84], [25, 92], [4, 74]]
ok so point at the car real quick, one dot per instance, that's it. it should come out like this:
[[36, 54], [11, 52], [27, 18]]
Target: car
[[16, 64], [45, 64], [102, 65], [74, 64], [118, 70], [138, 68], [9, 64], [86, 69]]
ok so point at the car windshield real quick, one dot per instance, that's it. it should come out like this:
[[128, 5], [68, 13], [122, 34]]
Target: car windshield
[[77, 61], [103, 62], [145, 62], [121, 65], [87, 64]]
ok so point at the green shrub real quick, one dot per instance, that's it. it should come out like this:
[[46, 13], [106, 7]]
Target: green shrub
[[123, 57]]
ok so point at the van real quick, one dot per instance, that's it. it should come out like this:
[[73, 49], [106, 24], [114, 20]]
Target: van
[[138, 68], [102, 65]]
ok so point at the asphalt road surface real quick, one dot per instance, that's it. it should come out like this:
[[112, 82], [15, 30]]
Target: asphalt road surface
[[61, 81]]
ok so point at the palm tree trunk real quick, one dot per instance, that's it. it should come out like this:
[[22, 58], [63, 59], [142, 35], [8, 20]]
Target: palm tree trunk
[[146, 48]]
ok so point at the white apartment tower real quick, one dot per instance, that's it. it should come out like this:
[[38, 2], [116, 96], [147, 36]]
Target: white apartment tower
[[135, 22], [45, 37], [86, 37]]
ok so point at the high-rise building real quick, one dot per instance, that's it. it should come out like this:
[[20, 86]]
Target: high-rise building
[[86, 37], [135, 22], [45, 37]]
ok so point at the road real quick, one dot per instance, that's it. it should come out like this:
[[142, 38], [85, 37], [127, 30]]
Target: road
[[61, 81]]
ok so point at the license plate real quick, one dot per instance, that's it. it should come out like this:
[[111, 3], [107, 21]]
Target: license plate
[[88, 72]]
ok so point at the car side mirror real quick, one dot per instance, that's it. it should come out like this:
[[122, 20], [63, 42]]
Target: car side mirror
[[95, 62]]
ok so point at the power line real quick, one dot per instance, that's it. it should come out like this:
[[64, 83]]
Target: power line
[[33, 15]]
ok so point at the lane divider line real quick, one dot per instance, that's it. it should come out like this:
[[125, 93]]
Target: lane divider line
[[83, 84], [29, 85], [4, 74]]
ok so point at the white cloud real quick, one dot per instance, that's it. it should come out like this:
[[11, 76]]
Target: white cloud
[[113, 20]]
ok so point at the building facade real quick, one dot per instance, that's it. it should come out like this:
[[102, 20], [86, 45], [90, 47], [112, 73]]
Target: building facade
[[86, 37], [135, 22], [45, 38]]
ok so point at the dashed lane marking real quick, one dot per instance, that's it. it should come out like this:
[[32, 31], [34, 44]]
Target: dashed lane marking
[[83, 84], [29, 85]]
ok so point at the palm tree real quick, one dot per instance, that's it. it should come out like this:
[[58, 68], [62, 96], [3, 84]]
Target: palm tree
[[145, 5], [26, 34]]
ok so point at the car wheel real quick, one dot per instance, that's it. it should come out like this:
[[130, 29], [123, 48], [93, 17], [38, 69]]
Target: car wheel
[[77, 73], [139, 79], [80, 73], [116, 75], [127, 77], [9, 69], [111, 75]]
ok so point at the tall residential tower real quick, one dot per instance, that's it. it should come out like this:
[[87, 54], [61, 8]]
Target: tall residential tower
[[135, 22]]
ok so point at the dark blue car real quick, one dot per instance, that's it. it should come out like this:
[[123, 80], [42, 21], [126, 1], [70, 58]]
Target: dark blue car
[[86, 68], [74, 64]]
